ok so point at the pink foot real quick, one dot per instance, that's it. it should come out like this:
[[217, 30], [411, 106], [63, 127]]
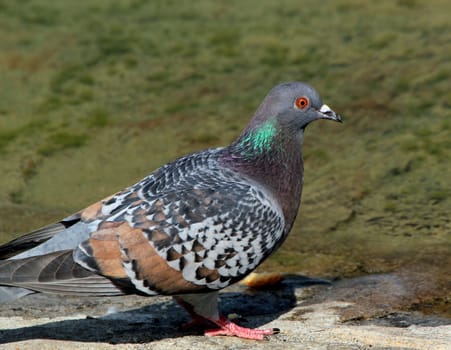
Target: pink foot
[[224, 325], [227, 327]]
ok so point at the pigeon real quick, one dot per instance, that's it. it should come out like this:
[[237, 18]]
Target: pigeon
[[189, 229]]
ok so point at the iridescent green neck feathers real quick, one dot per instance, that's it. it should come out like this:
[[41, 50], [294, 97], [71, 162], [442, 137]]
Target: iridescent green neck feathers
[[255, 142]]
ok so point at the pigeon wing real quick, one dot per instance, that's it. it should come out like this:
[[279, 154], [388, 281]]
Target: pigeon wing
[[186, 241]]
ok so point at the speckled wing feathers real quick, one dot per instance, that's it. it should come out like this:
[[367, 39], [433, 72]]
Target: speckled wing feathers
[[195, 221], [55, 273]]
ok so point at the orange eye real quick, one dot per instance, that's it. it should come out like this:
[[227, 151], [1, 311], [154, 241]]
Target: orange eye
[[301, 102]]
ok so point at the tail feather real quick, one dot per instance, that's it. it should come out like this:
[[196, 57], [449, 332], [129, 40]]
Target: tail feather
[[36, 237], [53, 273], [8, 294]]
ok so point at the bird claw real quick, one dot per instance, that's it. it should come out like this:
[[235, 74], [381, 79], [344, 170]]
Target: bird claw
[[224, 325], [228, 328]]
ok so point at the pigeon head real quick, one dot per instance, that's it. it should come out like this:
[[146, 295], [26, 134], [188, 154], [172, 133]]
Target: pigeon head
[[282, 117], [294, 106]]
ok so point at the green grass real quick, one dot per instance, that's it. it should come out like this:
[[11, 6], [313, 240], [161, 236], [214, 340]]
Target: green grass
[[96, 94], [61, 141]]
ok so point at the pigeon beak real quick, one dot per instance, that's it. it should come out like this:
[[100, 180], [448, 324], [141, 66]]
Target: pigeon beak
[[327, 113]]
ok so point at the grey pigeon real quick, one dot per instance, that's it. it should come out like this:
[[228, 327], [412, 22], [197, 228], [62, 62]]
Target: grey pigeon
[[189, 229]]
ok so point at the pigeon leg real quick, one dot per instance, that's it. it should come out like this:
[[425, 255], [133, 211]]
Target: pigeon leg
[[227, 327], [197, 320], [223, 325]]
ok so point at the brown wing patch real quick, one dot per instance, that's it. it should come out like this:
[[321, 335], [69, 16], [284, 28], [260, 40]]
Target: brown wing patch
[[92, 212], [106, 251], [118, 245], [150, 267], [208, 274]]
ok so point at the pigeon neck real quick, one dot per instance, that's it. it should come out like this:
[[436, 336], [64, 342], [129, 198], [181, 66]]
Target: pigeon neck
[[272, 158], [258, 141], [266, 143]]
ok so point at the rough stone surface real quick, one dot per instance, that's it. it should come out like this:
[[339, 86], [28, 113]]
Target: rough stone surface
[[368, 312]]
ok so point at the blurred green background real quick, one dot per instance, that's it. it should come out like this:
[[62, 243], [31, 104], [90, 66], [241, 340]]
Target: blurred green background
[[94, 95]]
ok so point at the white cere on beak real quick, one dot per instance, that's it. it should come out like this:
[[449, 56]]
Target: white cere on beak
[[325, 109]]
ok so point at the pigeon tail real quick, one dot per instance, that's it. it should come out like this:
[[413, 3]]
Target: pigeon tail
[[55, 273]]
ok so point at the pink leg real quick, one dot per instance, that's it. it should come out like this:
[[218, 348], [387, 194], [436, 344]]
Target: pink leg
[[227, 327], [197, 320]]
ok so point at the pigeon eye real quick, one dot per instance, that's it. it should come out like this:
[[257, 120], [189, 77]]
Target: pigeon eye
[[301, 102]]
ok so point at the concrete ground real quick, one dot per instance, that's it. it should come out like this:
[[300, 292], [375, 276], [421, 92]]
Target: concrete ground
[[370, 312]]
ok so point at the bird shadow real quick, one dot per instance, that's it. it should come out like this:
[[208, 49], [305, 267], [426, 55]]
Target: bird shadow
[[162, 319]]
